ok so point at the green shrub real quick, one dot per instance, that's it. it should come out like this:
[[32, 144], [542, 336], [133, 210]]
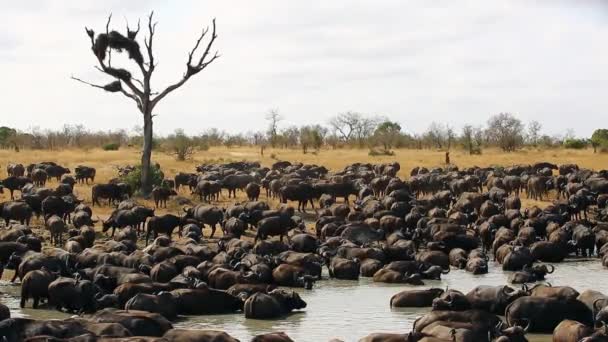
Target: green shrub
[[577, 144], [203, 146], [475, 151], [134, 177], [111, 147]]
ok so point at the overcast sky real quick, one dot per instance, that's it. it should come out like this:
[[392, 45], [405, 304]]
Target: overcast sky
[[415, 62]]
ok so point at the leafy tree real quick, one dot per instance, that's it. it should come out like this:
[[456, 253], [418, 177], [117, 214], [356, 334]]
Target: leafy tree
[[290, 136], [333, 140], [212, 137], [7, 137], [436, 135], [467, 138], [312, 137], [577, 144], [599, 139], [352, 126], [506, 131], [387, 134], [450, 135], [534, 128], [180, 145], [472, 139], [133, 178]]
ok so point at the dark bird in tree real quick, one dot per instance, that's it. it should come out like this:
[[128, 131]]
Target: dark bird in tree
[[140, 90]]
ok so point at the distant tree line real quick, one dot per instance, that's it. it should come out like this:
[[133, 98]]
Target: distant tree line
[[345, 130]]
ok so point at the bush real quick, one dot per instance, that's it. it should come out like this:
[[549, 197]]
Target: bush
[[203, 146], [475, 151], [577, 144], [134, 177], [111, 147], [180, 145], [375, 152], [600, 139]]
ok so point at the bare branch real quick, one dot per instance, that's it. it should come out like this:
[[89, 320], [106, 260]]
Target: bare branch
[[133, 97], [85, 82], [198, 42], [129, 83], [192, 69], [148, 42], [213, 36], [108, 23], [106, 88], [132, 34], [108, 48], [138, 81]]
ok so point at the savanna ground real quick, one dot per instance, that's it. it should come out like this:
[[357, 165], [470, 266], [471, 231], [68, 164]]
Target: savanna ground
[[106, 163]]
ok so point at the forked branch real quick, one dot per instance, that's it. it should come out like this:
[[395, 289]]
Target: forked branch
[[140, 90], [198, 66]]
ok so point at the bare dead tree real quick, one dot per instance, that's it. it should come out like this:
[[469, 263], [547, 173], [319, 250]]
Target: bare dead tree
[[140, 90]]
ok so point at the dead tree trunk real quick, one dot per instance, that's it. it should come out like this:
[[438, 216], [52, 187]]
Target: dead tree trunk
[[146, 155]]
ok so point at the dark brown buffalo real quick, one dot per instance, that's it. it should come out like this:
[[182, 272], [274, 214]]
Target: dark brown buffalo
[[415, 298], [164, 224], [205, 302], [274, 226], [16, 210], [161, 195], [571, 331], [193, 335], [272, 337], [35, 285], [544, 314], [139, 323], [493, 299], [276, 303], [162, 303]]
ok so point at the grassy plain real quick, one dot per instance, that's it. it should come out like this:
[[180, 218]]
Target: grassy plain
[[106, 162]]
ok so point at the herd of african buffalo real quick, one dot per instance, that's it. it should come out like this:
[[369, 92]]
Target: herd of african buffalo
[[369, 223]]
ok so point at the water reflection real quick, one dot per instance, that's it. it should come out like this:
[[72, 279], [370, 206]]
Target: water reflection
[[350, 310]]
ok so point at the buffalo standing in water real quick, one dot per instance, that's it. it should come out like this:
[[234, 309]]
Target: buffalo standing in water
[[276, 303]]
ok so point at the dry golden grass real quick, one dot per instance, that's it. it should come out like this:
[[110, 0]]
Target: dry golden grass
[[106, 161]]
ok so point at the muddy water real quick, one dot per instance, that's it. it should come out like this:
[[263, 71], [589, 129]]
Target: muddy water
[[349, 310]]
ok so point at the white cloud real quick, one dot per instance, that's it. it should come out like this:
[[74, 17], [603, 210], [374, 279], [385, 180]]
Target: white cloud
[[414, 61]]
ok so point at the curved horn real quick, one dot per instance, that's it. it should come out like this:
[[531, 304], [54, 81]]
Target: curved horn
[[595, 307], [453, 334], [239, 254], [552, 269], [446, 271], [527, 325], [234, 263]]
